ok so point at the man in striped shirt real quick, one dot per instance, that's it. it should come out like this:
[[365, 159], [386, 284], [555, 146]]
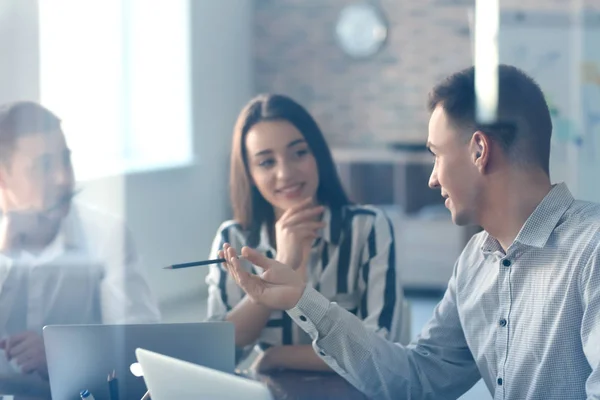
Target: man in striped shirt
[[522, 308]]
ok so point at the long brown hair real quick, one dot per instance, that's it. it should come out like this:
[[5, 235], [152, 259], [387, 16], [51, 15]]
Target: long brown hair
[[250, 209]]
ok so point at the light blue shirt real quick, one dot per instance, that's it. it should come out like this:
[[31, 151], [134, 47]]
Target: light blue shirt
[[527, 321]]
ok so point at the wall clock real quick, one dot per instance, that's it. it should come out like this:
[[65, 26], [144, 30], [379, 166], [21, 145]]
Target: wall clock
[[361, 30]]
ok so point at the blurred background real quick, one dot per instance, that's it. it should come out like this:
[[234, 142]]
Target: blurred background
[[148, 91]]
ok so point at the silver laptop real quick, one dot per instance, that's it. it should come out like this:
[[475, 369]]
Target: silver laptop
[[168, 378], [80, 357]]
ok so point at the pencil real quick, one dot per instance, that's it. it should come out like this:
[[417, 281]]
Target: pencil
[[113, 387], [198, 263]]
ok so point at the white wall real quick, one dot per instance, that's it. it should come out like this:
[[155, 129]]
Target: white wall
[[174, 213]]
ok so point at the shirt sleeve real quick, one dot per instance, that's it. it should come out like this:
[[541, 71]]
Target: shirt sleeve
[[381, 299], [438, 365], [223, 292], [125, 293], [590, 324]]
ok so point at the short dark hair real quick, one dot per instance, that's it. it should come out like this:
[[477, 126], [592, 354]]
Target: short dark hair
[[250, 208], [23, 118], [524, 126]]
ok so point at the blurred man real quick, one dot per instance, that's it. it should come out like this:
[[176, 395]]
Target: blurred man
[[60, 263]]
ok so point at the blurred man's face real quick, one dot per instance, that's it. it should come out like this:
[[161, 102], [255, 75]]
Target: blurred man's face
[[38, 176]]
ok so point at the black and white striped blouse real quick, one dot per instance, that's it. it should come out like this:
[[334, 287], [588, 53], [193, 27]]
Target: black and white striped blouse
[[353, 263]]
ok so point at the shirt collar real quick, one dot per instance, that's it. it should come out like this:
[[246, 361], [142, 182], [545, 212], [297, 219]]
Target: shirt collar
[[73, 231], [69, 237], [541, 223], [332, 231], [264, 244]]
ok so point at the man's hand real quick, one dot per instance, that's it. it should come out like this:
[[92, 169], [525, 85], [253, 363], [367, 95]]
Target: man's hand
[[27, 224], [16, 227], [28, 350], [295, 232], [279, 287]]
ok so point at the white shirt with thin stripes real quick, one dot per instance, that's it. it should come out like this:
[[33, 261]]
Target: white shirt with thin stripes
[[526, 320], [91, 273], [352, 263]]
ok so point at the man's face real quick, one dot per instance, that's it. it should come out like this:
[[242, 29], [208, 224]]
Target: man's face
[[38, 176], [454, 171]]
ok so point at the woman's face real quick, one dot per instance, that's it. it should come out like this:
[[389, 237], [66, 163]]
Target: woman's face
[[281, 165]]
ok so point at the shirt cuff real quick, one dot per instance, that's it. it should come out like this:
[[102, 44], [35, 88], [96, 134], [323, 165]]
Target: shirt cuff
[[309, 312]]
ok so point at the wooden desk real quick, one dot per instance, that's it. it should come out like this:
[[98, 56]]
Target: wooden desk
[[293, 385]]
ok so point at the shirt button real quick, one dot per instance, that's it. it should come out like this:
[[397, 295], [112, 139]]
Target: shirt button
[[502, 322], [506, 262], [500, 381], [302, 318]]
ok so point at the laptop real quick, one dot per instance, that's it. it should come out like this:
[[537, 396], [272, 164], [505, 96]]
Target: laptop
[[168, 378], [81, 357]]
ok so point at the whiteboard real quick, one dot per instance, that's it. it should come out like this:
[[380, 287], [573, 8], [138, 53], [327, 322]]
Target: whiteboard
[[561, 52]]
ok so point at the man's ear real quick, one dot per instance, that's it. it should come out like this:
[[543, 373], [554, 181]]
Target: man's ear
[[480, 148]]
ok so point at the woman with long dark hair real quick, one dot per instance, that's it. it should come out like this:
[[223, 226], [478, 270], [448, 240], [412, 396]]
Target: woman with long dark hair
[[288, 202]]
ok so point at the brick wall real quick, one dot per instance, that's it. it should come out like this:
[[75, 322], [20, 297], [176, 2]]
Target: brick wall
[[379, 100]]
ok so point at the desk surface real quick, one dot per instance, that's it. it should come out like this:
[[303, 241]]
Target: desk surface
[[292, 385], [284, 385], [24, 386]]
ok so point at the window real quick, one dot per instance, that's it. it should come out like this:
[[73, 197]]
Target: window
[[118, 75]]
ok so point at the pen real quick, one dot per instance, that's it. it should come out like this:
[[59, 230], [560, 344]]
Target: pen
[[146, 396], [113, 386], [199, 263], [86, 395]]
